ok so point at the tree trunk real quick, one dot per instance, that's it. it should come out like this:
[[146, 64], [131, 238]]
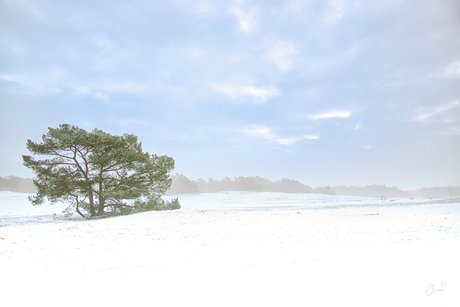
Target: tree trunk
[[91, 202], [100, 209], [79, 212], [78, 209]]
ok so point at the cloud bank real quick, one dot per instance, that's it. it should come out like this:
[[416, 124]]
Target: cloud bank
[[342, 114]]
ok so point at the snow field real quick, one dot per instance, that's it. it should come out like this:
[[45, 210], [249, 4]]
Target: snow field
[[258, 250]]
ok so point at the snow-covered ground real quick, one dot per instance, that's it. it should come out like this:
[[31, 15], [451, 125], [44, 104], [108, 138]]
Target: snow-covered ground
[[235, 249]]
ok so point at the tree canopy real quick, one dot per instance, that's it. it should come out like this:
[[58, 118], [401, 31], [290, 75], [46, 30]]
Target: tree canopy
[[95, 170]]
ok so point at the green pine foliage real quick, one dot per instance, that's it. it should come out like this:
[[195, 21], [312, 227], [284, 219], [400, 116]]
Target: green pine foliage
[[96, 171]]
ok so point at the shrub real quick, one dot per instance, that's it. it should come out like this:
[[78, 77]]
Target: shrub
[[156, 203]]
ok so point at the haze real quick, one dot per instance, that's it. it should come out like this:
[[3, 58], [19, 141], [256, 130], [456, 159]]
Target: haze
[[324, 92]]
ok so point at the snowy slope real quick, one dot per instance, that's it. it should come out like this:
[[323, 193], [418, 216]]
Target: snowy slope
[[235, 249]]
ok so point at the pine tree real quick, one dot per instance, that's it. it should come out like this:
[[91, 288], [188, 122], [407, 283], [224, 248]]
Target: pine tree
[[95, 170]]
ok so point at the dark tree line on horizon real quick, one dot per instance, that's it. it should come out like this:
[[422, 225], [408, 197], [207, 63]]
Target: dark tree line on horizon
[[182, 185], [17, 184]]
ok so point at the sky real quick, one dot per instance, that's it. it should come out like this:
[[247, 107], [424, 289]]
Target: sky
[[325, 92]]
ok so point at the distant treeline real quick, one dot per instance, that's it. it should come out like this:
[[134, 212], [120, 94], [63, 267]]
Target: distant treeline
[[183, 185], [17, 184], [436, 192], [375, 190]]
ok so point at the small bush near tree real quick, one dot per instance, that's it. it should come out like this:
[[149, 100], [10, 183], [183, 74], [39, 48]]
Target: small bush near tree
[[155, 202]]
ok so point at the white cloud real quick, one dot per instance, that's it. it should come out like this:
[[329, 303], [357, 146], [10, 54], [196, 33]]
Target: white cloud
[[85, 90], [132, 88], [296, 5], [22, 80], [236, 91], [265, 133], [286, 141], [133, 121], [47, 81], [344, 114], [260, 131], [54, 80], [246, 20], [95, 89], [205, 7], [451, 131], [435, 111], [336, 10], [283, 55], [452, 70], [104, 43], [101, 96], [196, 53]]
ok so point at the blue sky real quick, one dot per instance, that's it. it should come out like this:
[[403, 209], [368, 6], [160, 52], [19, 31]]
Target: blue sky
[[324, 92]]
